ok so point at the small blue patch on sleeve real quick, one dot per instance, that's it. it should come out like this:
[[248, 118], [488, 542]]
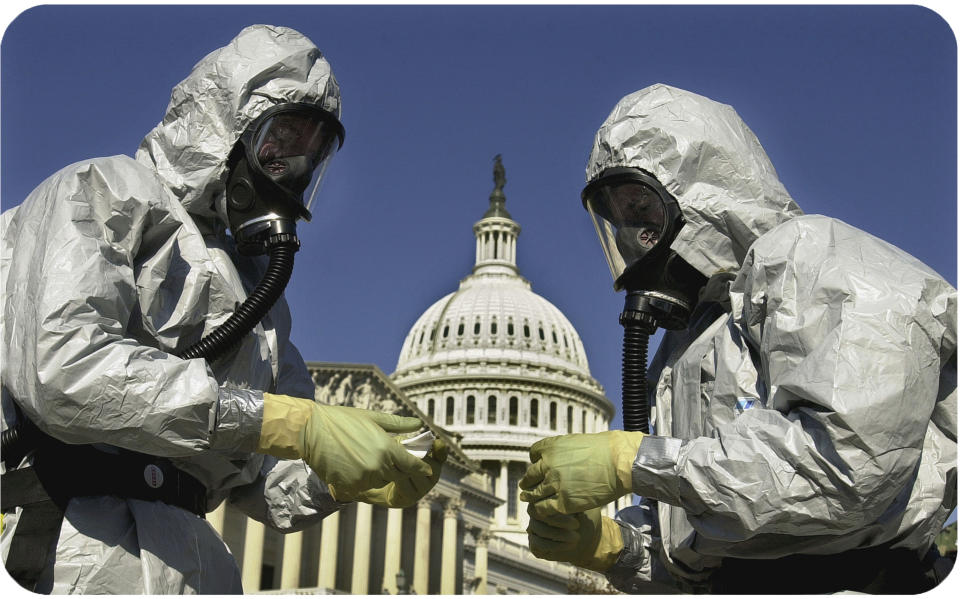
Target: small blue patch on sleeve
[[745, 403]]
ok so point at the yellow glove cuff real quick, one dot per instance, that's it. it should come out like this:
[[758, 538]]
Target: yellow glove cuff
[[284, 419], [608, 549], [623, 447]]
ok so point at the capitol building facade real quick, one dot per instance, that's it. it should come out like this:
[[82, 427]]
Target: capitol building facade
[[491, 368]]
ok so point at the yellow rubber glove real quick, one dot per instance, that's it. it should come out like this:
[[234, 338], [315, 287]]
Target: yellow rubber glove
[[575, 473], [587, 539], [408, 491], [348, 448]]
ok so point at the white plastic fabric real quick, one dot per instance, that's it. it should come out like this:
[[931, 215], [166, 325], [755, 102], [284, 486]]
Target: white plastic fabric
[[113, 265], [816, 414]]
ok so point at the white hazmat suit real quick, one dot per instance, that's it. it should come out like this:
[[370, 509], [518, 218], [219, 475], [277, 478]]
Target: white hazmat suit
[[113, 265], [810, 408]]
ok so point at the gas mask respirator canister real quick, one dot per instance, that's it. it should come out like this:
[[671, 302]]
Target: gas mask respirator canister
[[276, 169], [636, 220]]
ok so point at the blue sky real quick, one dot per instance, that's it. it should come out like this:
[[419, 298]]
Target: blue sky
[[856, 106]]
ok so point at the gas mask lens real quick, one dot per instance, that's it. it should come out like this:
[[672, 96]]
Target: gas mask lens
[[630, 218], [293, 148]]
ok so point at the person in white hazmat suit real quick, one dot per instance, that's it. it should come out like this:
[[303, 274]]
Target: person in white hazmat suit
[[148, 373], [803, 402]]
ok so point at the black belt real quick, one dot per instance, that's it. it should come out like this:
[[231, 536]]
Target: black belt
[[61, 472], [67, 471]]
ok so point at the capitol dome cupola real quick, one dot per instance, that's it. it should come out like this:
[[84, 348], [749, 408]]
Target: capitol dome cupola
[[496, 232]]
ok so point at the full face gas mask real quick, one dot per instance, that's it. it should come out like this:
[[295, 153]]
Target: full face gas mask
[[276, 169], [637, 220]]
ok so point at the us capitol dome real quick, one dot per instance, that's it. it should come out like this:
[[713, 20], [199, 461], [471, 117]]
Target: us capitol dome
[[499, 366]]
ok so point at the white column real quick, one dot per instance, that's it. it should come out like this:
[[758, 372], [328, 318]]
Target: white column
[[421, 546], [477, 259], [217, 516], [448, 563], [329, 536], [501, 510], [391, 554], [361, 549], [480, 563], [290, 572], [252, 556]]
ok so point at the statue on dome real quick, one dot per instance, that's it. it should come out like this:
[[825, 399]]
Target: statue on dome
[[499, 175]]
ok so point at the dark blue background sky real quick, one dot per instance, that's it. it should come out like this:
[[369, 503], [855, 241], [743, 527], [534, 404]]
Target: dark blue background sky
[[855, 105]]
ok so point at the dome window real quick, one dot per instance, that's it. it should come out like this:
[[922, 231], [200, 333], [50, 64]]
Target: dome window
[[526, 330], [446, 330], [421, 338], [514, 411], [493, 327], [542, 338], [430, 409], [471, 408], [449, 410], [534, 413], [510, 329], [492, 410], [569, 419], [554, 333], [460, 330], [553, 415], [476, 328]]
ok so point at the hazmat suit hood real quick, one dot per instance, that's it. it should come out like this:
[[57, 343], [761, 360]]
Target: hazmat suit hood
[[208, 111], [707, 157]]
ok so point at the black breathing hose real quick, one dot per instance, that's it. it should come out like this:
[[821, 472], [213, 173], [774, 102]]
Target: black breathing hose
[[638, 325], [18, 439], [634, 379], [15, 438], [252, 310]]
